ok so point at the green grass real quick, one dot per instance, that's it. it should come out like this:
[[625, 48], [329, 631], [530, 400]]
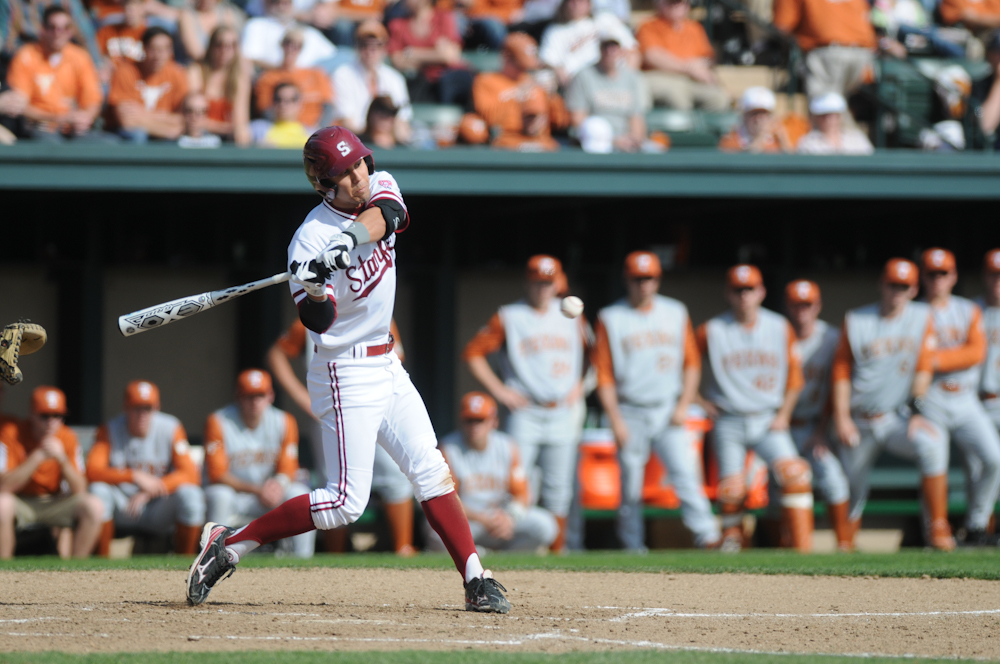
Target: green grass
[[426, 657], [975, 564]]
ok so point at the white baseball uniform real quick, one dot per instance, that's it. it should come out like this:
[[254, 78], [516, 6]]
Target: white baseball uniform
[[163, 452], [989, 378], [490, 480], [880, 356], [542, 358], [359, 390], [252, 456], [644, 353]]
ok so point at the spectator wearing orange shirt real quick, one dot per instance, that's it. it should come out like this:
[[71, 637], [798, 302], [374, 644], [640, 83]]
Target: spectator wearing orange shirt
[[145, 98], [759, 130], [141, 468], [677, 60], [224, 77], [59, 81], [837, 37], [37, 456], [312, 82], [124, 40], [977, 15], [504, 99], [252, 458]]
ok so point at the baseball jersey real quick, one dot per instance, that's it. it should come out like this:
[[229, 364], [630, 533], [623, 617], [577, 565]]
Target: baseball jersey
[[488, 479], [880, 356], [542, 351], [57, 84], [750, 369], [163, 452], [643, 352], [364, 293], [961, 344], [816, 353], [251, 455], [989, 381], [17, 443]]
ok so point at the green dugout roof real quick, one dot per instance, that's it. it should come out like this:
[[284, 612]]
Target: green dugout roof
[[472, 172]]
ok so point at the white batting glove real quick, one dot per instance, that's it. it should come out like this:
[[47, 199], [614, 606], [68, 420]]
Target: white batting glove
[[337, 255], [304, 276]]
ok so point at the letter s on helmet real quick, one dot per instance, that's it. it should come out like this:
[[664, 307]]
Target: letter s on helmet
[[331, 151]]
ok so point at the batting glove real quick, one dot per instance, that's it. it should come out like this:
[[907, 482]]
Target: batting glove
[[337, 255], [307, 275]]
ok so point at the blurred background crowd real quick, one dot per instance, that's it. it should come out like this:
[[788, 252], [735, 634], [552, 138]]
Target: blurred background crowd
[[808, 76]]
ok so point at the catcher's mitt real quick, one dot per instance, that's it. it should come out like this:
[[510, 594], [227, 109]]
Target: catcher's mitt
[[20, 338]]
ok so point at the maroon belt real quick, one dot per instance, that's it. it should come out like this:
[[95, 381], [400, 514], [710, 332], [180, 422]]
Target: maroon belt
[[381, 349]]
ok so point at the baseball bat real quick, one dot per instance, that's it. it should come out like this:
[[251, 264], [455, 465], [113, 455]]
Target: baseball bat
[[185, 307]]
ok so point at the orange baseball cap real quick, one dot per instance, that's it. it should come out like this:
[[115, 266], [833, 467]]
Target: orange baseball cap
[[900, 271], [641, 264], [523, 50], [542, 267], [142, 393], [937, 260], [48, 400], [991, 261], [744, 276], [253, 382], [478, 406], [802, 291]]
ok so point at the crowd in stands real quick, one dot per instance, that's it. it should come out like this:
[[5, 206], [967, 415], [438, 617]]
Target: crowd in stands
[[571, 72]]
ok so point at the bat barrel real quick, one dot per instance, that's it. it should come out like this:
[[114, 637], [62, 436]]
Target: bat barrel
[[161, 314]]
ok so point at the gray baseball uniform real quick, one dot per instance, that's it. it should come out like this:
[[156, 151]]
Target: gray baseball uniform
[[648, 351]]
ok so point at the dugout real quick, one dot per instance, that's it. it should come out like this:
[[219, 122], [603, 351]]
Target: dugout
[[97, 232]]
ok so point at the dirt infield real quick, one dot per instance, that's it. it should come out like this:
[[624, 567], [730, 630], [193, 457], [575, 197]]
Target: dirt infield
[[383, 609]]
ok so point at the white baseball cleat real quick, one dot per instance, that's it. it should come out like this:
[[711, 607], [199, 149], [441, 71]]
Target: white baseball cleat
[[211, 565]]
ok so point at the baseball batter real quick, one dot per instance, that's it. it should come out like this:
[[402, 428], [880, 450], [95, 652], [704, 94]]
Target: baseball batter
[[952, 402], [648, 370], [491, 482], [541, 384], [252, 456], [753, 381], [388, 481], [344, 260], [885, 361], [817, 343], [141, 468]]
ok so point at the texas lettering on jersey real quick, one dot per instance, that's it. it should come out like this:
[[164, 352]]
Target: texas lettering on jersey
[[750, 359], [647, 339], [542, 343], [887, 347]]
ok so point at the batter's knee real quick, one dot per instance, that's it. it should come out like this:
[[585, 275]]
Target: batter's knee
[[732, 493], [793, 475], [332, 509], [190, 504], [431, 476], [106, 494]]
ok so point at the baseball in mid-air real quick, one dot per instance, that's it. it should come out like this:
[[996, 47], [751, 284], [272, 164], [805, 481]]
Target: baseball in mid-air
[[571, 306]]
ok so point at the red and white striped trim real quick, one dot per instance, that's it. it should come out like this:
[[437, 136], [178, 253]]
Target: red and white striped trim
[[341, 498]]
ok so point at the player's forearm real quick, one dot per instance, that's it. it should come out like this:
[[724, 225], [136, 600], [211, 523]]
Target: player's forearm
[[921, 383], [608, 396], [37, 115], [77, 482], [237, 484], [373, 222], [841, 399], [281, 367], [689, 386], [17, 479], [662, 60], [788, 404], [480, 369]]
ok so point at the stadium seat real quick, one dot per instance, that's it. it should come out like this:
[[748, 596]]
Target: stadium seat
[[483, 61], [436, 115]]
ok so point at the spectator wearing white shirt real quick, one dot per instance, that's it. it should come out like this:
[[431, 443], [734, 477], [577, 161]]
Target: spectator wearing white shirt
[[572, 43], [830, 136], [358, 83], [262, 38]]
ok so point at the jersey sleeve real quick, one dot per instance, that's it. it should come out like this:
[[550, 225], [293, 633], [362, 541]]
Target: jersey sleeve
[[185, 471], [489, 339], [384, 187], [843, 358], [600, 356], [288, 456], [11, 450], [517, 483], [99, 461], [71, 445], [795, 380], [969, 354], [304, 247], [692, 353], [928, 347], [701, 339], [216, 459]]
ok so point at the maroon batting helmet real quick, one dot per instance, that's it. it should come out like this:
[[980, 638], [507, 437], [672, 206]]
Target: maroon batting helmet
[[331, 151]]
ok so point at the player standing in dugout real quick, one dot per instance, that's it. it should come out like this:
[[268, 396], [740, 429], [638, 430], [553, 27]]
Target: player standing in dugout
[[344, 263]]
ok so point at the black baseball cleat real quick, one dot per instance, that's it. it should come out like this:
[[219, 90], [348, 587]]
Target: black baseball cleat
[[977, 538], [211, 565], [483, 595]]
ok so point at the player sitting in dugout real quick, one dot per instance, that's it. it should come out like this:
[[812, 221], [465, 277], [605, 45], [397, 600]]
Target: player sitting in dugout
[[37, 457], [141, 468], [252, 457], [492, 484]]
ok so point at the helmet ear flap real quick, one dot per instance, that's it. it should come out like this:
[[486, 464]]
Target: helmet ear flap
[[371, 164]]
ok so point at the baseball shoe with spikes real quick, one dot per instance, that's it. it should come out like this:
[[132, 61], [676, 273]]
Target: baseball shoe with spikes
[[211, 565], [484, 595]]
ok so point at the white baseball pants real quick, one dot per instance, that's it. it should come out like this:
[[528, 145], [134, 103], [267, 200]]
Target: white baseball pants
[[829, 478], [227, 505], [733, 435], [649, 428], [362, 403]]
